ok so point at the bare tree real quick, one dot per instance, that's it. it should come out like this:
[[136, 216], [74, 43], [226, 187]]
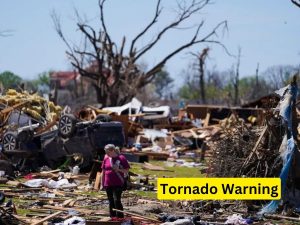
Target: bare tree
[[278, 76], [256, 75], [237, 78], [256, 88], [116, 74], [201, 60]]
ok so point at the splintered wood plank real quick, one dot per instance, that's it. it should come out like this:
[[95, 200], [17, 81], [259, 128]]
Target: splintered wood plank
[[51, 171], [14, 183], [256, 146], [280, 217], [72, 203], [67, 202], [206, 121], [98, 181], [47, 218], [194, 134], [137, 215], [83, 211]]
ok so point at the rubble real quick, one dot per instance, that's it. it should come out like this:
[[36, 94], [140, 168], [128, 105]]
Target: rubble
[[218, 141], [230, 153], [24, 116]]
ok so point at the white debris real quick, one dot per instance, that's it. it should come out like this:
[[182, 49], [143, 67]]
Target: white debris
[[72, 221], [63, 183], [235, 220]]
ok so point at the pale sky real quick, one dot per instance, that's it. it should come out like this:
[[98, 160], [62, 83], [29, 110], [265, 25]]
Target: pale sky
[[266, 30]]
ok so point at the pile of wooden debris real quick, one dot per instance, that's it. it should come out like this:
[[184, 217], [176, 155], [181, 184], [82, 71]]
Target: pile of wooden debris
[[243, 150]]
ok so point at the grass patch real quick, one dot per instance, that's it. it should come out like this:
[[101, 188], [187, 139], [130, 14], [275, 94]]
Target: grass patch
[[23, 212], [19, 202], [145, 194], [177, 171], [92, 193]]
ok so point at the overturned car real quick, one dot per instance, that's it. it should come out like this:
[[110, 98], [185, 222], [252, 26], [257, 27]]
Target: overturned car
[[31, 138], [85, 137]]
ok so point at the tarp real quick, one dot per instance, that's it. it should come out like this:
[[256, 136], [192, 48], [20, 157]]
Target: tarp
[[288, 96]]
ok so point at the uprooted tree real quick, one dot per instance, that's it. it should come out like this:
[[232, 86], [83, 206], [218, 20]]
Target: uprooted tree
[[116, 75]]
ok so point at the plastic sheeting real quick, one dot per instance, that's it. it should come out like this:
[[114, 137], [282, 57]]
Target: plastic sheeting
[[75, 220], [180, 222], [63, 183], [152, 134], [288, 97], [236, 220], [287, 161]]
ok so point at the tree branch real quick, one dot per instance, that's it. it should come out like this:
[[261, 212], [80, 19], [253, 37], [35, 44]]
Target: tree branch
[[77, 51], [185, 13], [93, 40], [101, 5], [296, 3], [57, 27], [119, 77], [157, 13], [193, 41]]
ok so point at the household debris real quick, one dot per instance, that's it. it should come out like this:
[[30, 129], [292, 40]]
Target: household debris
[[24, 116], [231, 142]]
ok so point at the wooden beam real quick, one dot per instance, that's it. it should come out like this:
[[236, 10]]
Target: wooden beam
[[280, 217], [51, 171], [262, 134], [196, 136], [83, 211], [137, 215], [206, 121], [47, 218], [98, 181], [67, 202]]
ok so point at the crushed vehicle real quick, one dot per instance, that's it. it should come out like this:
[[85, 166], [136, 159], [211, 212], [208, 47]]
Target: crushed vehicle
[[24, 117], [83, 134], [35, 133]]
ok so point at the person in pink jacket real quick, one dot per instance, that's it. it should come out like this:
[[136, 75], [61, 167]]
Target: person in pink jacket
[[115, 168]]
